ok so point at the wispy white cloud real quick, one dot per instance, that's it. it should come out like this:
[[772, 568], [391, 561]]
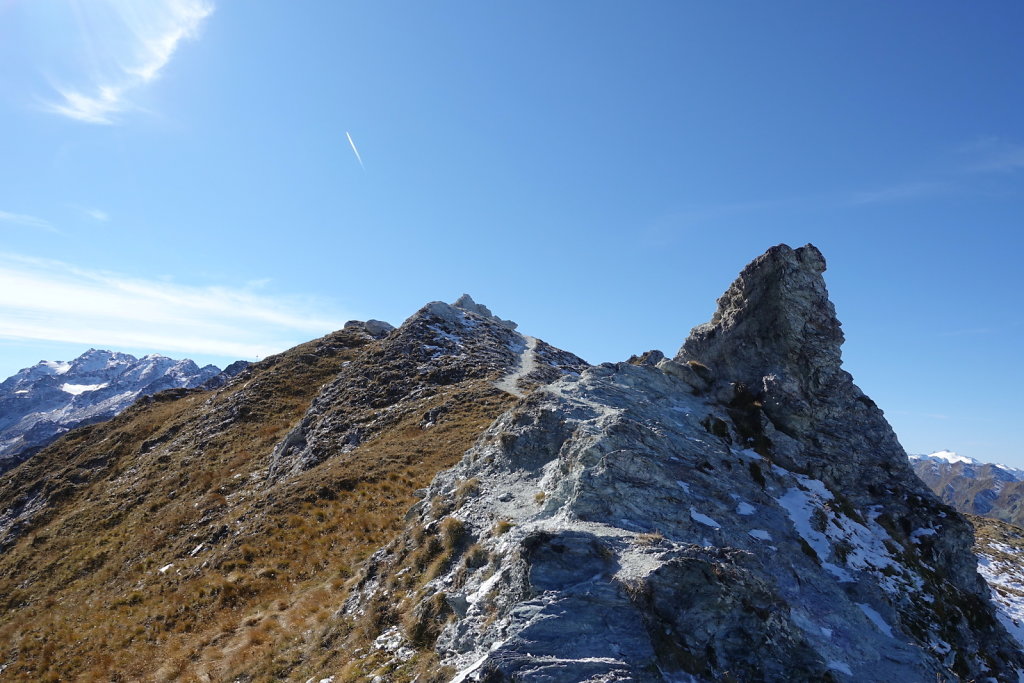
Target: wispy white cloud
[[27, 221], [97, 215], [154, 30], [53, 301]]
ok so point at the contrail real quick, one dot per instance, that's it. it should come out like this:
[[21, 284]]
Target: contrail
[[351, 142]]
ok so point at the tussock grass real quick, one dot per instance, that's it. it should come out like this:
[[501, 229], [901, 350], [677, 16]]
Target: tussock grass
[[258, 574]]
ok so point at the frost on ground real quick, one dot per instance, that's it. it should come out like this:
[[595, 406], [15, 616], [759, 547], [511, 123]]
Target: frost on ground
[[1000, 550]]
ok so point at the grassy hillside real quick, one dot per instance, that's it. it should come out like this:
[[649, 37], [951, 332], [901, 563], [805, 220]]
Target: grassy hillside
[[152, 547]]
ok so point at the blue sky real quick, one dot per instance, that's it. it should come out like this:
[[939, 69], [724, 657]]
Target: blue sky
[[178, 178]]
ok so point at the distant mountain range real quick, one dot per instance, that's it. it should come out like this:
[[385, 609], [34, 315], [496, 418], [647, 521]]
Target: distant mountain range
[[973, 487], [41, 402]]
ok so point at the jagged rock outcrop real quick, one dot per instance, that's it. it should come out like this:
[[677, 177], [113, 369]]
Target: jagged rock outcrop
[[741, 512], [378, 329], [466, 303], [41, 402]]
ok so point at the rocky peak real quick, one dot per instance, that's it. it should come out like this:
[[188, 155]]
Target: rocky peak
[[775, 319], [771, 353], [466, 303], [442, 349]]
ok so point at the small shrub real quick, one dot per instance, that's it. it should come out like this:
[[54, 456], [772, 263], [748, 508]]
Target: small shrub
[[653, 538], [819, 519], [423, 624], [467, 489], [842, 550], [476, 556], [502, 527], [452, 531]]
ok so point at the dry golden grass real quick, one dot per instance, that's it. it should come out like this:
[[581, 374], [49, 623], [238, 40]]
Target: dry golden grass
[[82, 594]]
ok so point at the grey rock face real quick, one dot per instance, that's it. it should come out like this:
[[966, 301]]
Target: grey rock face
[[466, 303], [378, 329], [742, 511], [40, 403]]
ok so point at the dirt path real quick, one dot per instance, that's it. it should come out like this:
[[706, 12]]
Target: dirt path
[[527, 364]]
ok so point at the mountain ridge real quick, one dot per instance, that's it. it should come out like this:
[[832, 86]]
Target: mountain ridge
[[747, 479], [974, 487], [455, 500]]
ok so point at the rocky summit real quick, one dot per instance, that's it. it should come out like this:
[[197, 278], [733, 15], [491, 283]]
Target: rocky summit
[[453, 500]]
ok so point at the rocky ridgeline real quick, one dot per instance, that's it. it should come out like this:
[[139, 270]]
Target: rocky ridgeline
[[40, 403], [441, 345], [739, 512]]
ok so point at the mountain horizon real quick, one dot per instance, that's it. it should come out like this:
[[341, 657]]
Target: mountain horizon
[[452, 499]]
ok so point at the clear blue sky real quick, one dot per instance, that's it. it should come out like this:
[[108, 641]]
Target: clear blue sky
[[178, 179]]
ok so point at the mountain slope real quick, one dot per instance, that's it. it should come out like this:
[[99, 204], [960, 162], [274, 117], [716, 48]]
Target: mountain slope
[[741, 512], [453, 500], [40, 403], [193, 539], [973, 487], [1000, 550]]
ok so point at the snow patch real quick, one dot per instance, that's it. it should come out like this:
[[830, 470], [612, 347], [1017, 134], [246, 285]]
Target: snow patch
[[946, 456], [745, 509], [759, 534], [59, 367], [1006, 585], [703, 519], [858, 547], [76, 389]]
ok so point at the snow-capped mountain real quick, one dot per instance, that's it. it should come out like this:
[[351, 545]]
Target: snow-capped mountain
[[972, 486], [41, 402], [948, 457]]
